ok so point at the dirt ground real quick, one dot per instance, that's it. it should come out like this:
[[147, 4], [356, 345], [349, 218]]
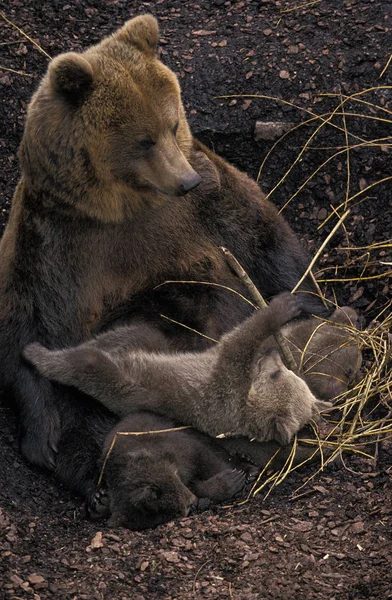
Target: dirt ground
[[334, 539]]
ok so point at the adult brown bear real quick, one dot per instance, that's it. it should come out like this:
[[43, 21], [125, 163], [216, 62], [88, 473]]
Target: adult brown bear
[[99, 219]]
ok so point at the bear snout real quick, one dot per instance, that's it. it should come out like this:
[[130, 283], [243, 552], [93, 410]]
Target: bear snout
[[189, 183]]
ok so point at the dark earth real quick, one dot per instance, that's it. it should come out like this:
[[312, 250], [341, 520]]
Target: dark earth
[[334, 540]]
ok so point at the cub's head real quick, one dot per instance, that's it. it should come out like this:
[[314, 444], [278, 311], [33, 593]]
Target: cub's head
[[279, 402], [146, 492], [106, 129], [333, 356]]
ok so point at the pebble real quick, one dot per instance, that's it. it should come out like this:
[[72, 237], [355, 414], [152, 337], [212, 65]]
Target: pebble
[[34, 578], [271, 130]]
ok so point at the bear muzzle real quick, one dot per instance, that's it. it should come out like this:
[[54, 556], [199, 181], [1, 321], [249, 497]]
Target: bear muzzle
[[189, 183]]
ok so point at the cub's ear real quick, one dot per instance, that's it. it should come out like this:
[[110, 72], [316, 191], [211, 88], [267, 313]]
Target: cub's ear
[[142, 32], [71, 76], [345, 315], [143, 496]]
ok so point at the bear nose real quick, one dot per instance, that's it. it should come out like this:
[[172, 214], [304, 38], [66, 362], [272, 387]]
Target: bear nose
[[189, 182]]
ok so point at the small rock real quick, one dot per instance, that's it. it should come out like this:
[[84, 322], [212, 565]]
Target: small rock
[[96, 542], [16, 579], [292, 50], [252, 556], [171, 557], [284, 75], [362, 183], [22, 50], [5, 80], [246, 103], [302, 526], [358, 527], [271, 130], [335, 532], [267, 32], [223, 43], [34, 578], [279, 539], [203, 32]]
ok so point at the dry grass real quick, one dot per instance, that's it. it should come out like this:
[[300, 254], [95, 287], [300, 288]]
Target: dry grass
[[362, 417], [27, 37]]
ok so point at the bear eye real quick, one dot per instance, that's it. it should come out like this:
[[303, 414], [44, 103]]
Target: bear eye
[[175, 128], [147, 143], [276, 374]]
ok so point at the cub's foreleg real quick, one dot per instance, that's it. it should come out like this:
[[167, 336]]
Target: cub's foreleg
[[237, 349], [88, 369], [93, 372]]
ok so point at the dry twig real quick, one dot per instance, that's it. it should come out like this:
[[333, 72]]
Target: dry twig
[[258, 298]]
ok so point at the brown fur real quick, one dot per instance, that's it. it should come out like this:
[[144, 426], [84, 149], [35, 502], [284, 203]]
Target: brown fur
[[97, 223], [233, 387], [154, 478]]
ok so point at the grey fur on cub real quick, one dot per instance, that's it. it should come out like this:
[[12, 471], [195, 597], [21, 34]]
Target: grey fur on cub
[[157, 477], [327, 352], [233, 387]]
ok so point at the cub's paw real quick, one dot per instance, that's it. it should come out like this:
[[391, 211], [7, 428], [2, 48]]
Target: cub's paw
[[98, 506], [251, 471], [285, 307], [318, 407], [37, 356], [232, 482], [199, 506], [210, 178]]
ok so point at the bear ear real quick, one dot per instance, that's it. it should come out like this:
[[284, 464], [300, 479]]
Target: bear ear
[[71, 76], [143, 495], [142, 32], [345, 315]]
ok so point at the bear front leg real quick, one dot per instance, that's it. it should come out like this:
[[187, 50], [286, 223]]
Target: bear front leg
[[222, 486], [39, 419]]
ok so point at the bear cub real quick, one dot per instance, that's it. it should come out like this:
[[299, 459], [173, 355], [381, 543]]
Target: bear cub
[[233, 387], [157, 477]]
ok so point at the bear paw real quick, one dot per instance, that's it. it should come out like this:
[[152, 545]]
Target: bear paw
[[98, 506]]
